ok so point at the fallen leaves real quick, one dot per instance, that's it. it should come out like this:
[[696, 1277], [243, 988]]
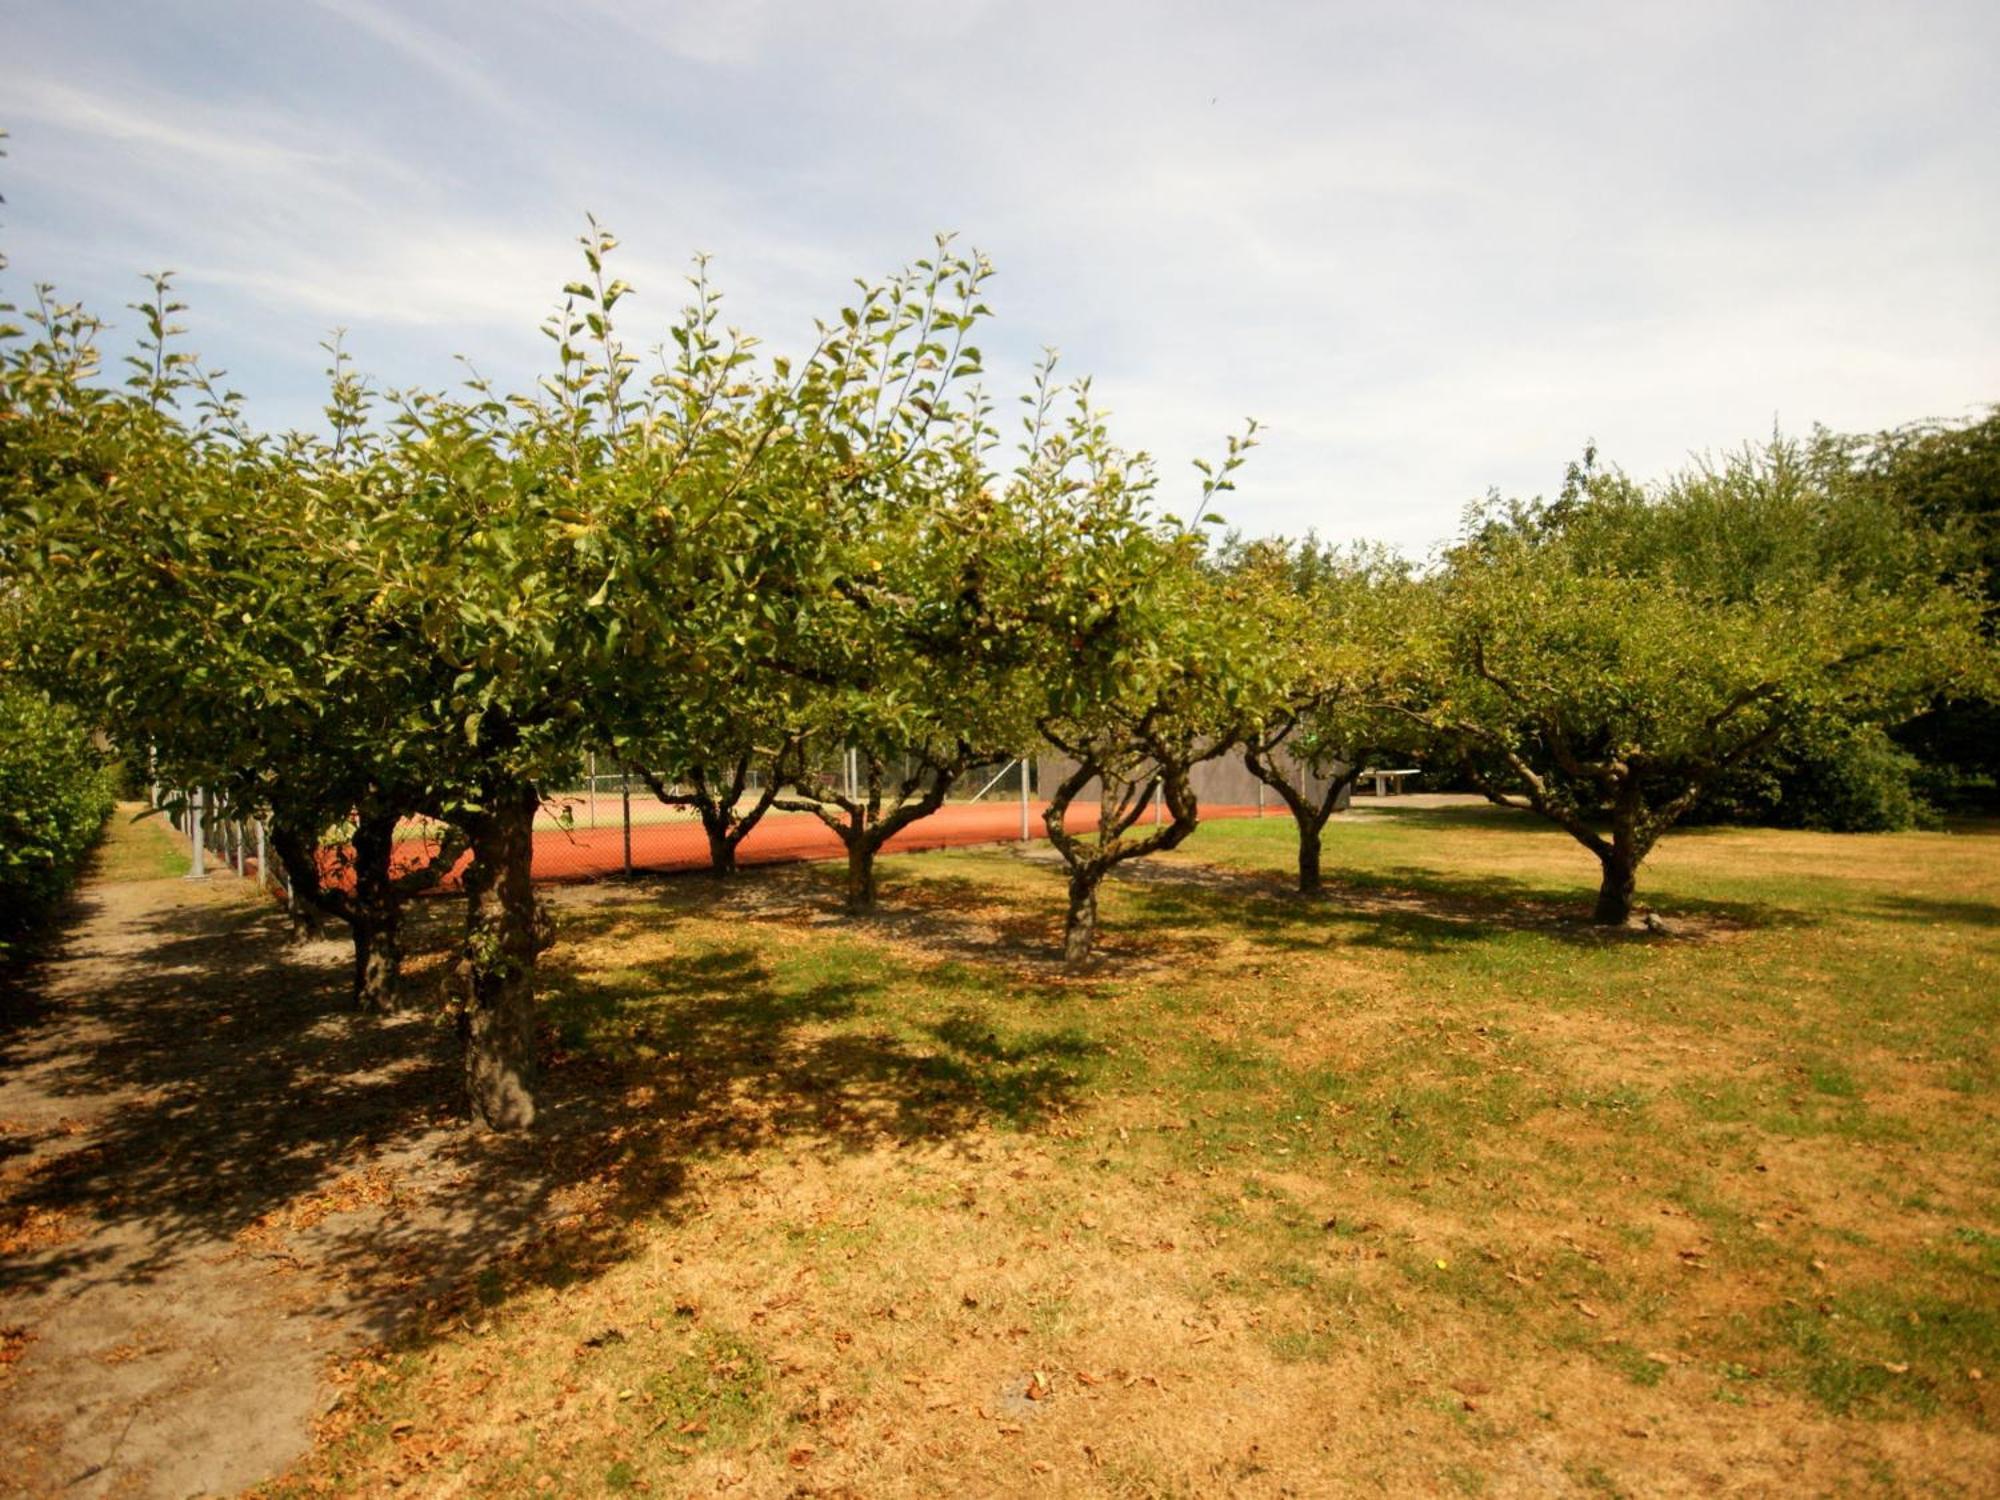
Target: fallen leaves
[[36, 1228], [14, 1340], [371, 1187]]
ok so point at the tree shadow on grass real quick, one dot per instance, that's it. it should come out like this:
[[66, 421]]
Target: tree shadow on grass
[[1179, 903], [1523, 822], [929, 911], [251, 1112], [1410, 908], [1925, 911]]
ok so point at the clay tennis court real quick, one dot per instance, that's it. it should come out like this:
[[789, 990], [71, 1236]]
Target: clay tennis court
[[565, 855], [592, 853]]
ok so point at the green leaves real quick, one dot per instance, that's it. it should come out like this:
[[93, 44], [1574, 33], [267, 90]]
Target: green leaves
[[1608, 656], [54, 797]]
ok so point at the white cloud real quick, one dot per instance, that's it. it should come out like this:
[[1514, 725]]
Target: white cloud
[[173, 131], [1435, 246], [447, 57]]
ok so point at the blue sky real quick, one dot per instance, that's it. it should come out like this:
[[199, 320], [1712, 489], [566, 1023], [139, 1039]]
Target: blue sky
[[1433, 247]]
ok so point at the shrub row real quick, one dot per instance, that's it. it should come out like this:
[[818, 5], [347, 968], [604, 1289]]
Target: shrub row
[[55, 793]]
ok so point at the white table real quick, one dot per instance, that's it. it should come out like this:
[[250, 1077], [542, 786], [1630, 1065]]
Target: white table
[[1388, 783]]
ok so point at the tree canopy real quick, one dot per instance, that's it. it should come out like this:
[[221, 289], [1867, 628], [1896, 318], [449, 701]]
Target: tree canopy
[[1601, 658]]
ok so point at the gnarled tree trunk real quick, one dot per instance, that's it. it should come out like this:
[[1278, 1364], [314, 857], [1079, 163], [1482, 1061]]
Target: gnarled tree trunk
[[1080, 926], [1090, 857], [505, 933], [375, 915], [721, 847], [1614, 893], [1308, 815], [861, 875], [863, 827], [305, 907], [1620, 861], [1309, 857], [723, 819]]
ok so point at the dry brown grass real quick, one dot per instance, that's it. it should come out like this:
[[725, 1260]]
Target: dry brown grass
[[1421, 1187]]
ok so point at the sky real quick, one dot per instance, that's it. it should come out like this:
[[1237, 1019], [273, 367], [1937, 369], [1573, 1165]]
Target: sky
[[1433, 248]]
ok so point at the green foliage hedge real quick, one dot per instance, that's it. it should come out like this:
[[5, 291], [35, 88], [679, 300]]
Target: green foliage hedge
[[1829, 777], [55, 793]]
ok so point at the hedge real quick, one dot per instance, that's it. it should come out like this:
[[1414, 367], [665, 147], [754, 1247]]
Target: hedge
[[55, 793]]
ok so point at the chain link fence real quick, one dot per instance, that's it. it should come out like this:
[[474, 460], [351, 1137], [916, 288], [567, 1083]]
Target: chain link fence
[[611, 823]]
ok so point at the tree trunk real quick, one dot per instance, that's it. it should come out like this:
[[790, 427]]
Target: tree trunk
[[308, 923], [378, 962], [373, 917], [861, 876], [1309, 875], [503, 937], [1080, 930], [1621, 861], [1614, 895], [721, 849], [298, 853]]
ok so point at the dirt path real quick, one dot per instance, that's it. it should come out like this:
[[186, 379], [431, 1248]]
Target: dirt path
[[212, 1177]]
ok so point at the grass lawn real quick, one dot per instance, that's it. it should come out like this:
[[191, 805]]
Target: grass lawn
[[147, 848], [1421, 1186]]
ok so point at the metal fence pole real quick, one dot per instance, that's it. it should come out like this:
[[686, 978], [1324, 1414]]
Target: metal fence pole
[[593, 789], [198, 867], [1260, 799], [625, 796], [1024, 799]]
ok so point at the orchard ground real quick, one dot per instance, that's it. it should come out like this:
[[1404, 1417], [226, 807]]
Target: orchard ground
[[1423, 1184]]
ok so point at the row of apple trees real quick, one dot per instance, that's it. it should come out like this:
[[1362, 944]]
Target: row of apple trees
[[703, 562], [721, 568]]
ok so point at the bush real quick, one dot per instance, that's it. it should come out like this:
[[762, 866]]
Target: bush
[[1831, 777], [1957, 747], [55, 793]]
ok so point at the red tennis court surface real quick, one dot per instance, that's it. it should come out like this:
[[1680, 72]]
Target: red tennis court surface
[[659, 848], [591, 853]]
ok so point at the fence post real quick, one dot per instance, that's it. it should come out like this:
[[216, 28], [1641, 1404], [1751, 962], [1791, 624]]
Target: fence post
[[1159, 807], [262, 881], [593, 789], [1024, 799], [625, 796], [1260, 799], [198, 867]]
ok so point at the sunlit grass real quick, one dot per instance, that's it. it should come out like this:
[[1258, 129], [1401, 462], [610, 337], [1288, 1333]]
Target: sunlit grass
[[145, 848], [1441, 1174]]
